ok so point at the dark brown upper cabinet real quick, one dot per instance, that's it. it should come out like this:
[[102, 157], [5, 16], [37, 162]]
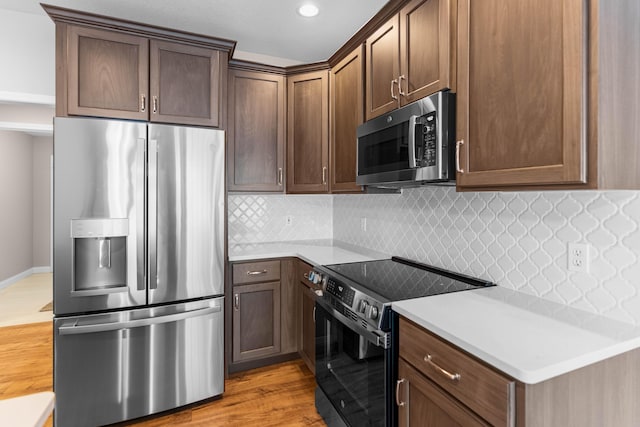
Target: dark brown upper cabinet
[[107, 67], [521, 93], [543, 95], [108, 74], [411, 56], [308, 132], [346, 113], [185, 84], [256, 131]]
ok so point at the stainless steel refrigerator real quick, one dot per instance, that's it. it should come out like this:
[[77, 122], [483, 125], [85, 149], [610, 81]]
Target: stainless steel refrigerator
[[138, 268]]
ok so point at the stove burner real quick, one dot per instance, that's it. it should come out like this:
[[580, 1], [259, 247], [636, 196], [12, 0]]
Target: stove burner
[[368, 288]]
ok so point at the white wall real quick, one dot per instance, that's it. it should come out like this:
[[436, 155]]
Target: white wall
[[27, 43], [25, 204], [16, 204], [41, 248]]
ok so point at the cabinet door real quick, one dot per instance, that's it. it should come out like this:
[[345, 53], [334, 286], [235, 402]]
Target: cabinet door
[[289, 307], [423, 404], [308, 326], [108, 74], [256, 131], [347, 112], [308, 133], [521, 92], [185, 84], [382, 69], [256, 321], [427, 48], [307, 302]]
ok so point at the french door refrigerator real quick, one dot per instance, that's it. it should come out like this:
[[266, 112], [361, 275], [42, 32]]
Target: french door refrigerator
[[138, 268]]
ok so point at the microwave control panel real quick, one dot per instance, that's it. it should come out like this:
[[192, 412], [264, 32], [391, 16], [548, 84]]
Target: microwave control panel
[[426, 151]]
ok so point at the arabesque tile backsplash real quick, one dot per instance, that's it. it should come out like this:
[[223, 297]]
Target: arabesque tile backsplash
[[259, 218], [516, 239]]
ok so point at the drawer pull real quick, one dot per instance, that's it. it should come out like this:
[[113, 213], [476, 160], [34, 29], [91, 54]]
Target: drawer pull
[[452, 377], [256, 273], [398, 402]]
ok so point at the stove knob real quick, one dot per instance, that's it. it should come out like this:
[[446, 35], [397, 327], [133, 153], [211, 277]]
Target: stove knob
[[310, 276], [363, 306], [373, 312], [317, 278]]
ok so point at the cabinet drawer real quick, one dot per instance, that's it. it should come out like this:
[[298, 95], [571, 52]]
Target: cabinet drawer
[[485, 391], [253, 272]]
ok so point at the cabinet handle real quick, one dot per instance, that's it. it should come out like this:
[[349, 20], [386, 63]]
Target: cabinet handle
[[143, 102], [279, 176], [458, 145], [452, 377], [236, 301], [398, 402], [400, 79], [256, 273], [324, 175], [314, 314], [392, 95], [155, 104]]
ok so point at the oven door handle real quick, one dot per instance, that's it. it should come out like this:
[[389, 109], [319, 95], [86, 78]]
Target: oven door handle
[[376, 338]]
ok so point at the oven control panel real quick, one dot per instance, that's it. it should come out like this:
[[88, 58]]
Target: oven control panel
[[343, 292], [355, 302]]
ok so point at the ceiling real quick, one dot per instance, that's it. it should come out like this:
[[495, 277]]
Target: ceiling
[[266, 31]]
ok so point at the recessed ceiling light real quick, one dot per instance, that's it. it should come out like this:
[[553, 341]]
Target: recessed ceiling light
[[308, 10]]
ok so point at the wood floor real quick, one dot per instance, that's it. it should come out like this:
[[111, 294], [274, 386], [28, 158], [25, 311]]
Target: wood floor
[[279, 395]]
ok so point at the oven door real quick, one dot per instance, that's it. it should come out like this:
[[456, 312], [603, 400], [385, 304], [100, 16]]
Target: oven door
[[351, 368]]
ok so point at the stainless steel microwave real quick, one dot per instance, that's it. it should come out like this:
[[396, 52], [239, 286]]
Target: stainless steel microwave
[[411, 146]]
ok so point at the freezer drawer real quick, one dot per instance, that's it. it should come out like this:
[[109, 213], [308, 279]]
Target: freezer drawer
[[118, 366]]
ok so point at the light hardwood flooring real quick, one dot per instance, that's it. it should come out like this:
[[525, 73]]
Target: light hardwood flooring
[[21, 302], [278, 395]]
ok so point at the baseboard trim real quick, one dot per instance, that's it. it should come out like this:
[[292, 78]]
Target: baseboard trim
[[33, 270]]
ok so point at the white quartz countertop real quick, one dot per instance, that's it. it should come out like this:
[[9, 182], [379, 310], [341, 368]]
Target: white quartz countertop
[[315, 252], [528, 338]]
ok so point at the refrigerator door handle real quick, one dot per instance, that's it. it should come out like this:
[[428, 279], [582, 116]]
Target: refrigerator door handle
[[112, 326], [152, 261], [140, 220]]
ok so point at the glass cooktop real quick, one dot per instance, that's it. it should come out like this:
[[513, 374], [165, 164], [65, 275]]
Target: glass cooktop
[[397, 279]]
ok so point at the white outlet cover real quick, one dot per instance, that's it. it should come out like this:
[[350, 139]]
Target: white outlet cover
[[578, 257]]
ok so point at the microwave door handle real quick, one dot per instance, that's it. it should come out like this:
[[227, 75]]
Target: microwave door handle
[[412, 141]]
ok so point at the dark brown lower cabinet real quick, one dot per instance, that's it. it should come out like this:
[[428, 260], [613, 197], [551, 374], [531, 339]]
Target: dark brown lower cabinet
[[256, 321], [307, 323], [424, 404], [308, 327]]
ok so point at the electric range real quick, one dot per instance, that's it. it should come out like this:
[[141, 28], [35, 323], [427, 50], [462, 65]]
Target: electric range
[[356, 333]]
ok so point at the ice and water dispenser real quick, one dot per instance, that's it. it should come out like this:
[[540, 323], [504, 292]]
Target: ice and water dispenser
[[99, 256]]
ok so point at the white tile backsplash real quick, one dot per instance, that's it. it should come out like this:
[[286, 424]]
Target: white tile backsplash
[[261, 218], [518, 239]]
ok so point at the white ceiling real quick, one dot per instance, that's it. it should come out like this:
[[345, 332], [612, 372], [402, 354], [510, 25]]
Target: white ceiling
[[261, 27]]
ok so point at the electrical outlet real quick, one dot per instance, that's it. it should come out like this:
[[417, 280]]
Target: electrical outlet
[[578, 257], [288, 220], [363, 224]]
